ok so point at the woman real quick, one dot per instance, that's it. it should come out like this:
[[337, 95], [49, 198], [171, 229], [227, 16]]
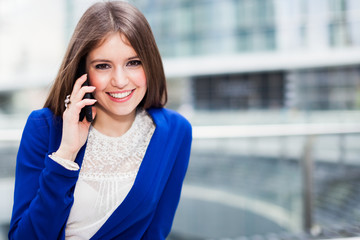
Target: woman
[[119, 176]]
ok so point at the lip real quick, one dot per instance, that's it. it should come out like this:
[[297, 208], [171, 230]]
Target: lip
[[121, 99]]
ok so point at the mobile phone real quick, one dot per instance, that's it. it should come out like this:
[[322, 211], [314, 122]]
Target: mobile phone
[[87, 110]]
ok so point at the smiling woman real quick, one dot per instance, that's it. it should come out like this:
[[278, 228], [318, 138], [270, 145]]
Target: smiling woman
[[118, 75], [119, 176]]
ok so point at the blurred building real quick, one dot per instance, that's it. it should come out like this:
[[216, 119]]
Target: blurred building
[[218, 55], [33, 40], [260, 54]]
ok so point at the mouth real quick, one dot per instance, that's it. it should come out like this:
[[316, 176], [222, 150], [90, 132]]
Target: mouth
[[121, 95]]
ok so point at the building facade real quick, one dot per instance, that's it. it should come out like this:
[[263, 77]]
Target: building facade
[[218, 55], [261, 54]]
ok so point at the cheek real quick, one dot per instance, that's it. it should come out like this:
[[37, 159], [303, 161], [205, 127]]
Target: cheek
[[96, 84], [96, 81], [99, 82], [140, 79]]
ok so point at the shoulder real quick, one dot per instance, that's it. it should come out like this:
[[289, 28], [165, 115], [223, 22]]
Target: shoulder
[[41, 118], [36, 134], [169, 117], [171, 125], [41, 114]]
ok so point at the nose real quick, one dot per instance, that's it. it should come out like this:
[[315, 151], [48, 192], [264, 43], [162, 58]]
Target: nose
[[119, 78]]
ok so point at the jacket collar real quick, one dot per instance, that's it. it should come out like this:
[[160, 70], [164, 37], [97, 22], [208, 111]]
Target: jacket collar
[[147, 175]]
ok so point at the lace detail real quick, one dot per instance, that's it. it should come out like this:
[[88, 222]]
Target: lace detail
[[117, 157], [107, 174]]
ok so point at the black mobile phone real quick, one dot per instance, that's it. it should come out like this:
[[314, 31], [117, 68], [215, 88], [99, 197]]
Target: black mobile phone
[[85, 111]]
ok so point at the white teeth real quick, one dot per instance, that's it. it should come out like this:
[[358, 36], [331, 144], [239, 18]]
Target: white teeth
[[120, 95]]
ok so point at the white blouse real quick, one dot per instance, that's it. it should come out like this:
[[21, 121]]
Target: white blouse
[[106, 176]]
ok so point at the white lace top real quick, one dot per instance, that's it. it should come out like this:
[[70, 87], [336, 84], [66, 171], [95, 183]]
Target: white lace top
[[107, 174]]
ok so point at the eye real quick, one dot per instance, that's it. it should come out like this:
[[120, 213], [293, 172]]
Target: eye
[[102, 66], [134, 63]]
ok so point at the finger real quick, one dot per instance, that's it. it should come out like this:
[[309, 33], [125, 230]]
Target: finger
[[85, 102], [78, 83], [80, 94], [73, 111]]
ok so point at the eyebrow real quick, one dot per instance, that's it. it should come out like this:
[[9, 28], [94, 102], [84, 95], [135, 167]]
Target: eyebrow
[[134, 57], [107, 61]]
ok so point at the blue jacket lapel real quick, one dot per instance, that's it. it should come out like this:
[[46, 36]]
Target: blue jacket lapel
[[144, 183]]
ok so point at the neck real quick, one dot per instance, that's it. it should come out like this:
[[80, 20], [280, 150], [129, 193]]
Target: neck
[[113, 126]]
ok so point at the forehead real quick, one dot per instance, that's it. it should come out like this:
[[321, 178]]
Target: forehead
[[113, 44]]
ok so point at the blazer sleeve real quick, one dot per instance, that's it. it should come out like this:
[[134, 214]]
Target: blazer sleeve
[[43, 189], [162, 220]]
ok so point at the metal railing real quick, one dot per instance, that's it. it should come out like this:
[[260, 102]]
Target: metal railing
[[284, 130], [310, 133]]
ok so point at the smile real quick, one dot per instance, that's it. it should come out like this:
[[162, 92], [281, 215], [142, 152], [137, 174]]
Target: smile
[[121, 95]]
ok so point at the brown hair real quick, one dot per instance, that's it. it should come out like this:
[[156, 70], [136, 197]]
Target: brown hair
[[95, 25]]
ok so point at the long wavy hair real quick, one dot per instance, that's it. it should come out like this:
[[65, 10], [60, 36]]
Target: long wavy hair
[[100, 20]]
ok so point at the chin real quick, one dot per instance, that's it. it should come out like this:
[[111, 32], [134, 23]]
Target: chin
[[125, 112]]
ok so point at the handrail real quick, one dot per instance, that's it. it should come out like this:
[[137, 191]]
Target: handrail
[[244, 131], [274, 130], [309, 131]]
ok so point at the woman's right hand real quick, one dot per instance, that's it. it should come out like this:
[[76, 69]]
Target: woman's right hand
[[74, 133]]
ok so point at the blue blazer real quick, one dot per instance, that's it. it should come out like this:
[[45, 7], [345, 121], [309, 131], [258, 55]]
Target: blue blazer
[[44, 189]]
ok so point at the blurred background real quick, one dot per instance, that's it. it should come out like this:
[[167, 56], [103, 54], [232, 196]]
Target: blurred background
[[271, 87]]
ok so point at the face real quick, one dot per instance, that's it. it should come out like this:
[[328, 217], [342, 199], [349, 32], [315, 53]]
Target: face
[[118, 75]]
